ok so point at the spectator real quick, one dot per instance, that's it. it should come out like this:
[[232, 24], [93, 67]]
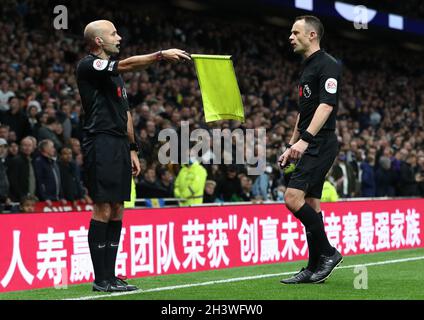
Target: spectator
[[47, 173], [368, 176], [41, 121], [229, 186], [151, 132], [64, 118], [4, 181], [148, 186], [329, 192], [75, 146], [77, 123], [400, 156], [48, 131], [209, 195], [246, 188], [16, 119], [146, 147], [32, 112], [344, 176], [13, 150], [351, 154], [26, 205], [190, 183], [4, 132], [261, 186], [385, 178], [165, 184], [279, 193], [5, 95], [21, 172], [408, 184], [70, 177], [420, 175], [60, 134]]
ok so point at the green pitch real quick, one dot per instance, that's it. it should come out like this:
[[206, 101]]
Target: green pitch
[[389, 275]]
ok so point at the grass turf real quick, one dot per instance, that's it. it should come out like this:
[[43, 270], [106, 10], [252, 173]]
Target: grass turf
[[398, 280]]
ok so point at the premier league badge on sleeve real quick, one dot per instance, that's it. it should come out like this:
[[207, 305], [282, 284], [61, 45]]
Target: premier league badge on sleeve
[[307, 91]]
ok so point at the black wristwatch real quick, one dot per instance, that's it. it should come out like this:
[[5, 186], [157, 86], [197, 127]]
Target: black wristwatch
[[288, 145], [134, 147]]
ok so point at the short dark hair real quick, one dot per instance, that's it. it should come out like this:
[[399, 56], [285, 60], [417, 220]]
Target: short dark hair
[[28, 197], [51, 120], [315, 23], [162, 172], [43, 144]]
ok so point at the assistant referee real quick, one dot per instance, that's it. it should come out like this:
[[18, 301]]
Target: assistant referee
[[109, 146], [313, 146]]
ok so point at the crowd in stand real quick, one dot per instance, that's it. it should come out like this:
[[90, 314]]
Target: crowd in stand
[[380, 127]]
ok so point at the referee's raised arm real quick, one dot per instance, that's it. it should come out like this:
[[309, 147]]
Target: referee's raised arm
[[104, 41], [139, 62]]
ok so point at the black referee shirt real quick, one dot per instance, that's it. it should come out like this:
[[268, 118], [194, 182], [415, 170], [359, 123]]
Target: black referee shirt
[[103, 96], [319, 83]]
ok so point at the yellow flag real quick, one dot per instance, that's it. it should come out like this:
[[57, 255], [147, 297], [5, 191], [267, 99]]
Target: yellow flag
[[218, 84], [131, 203]]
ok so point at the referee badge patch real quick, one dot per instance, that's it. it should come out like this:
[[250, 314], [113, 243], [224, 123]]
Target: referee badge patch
[[331, 85], [99, 64]]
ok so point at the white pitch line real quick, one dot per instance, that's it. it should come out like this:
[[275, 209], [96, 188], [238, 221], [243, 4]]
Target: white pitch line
[[207, 283]]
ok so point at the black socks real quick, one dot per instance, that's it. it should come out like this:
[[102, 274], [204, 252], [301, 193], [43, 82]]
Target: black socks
[[97, 243], [112, 244], [314, 252], [103, 240], [314, 225]]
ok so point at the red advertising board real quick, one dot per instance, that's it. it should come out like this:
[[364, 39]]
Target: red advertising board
[[58, 206], [51, 249]]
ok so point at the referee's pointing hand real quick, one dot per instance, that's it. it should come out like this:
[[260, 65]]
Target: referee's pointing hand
[[175, 55]]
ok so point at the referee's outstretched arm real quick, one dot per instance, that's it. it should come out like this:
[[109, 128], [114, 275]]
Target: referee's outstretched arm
[[136, 63], [104, 41]]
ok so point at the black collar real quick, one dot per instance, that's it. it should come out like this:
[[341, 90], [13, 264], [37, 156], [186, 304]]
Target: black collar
[[312, 56], [93, 55]]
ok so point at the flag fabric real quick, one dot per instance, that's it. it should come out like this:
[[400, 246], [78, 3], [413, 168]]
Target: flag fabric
[[131, 203], [155, 203], [218, 84]]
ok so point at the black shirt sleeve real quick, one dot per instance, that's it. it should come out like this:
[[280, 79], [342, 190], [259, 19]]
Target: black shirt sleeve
[[95, 67], [329, 78]]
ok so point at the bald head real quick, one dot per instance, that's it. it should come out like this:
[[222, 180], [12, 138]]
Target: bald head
[[96, 29], [102, 35]]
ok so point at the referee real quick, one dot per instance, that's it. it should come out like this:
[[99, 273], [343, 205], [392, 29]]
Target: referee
[[109, 147], [313, 146]]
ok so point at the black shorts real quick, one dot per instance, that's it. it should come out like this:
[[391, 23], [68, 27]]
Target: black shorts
[[107, 168], [313, 166]]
